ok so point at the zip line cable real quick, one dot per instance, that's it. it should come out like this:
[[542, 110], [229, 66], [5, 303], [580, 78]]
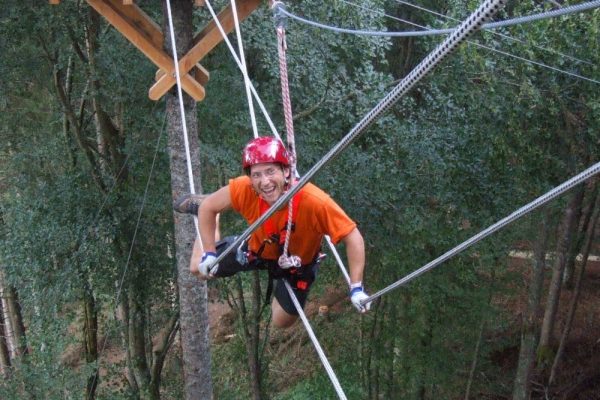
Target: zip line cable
[[137, 224], [496, 33], [491, 48], [513, 21], [311, 334], [243, 68], [545, 198], [430, 31], [485, 11]]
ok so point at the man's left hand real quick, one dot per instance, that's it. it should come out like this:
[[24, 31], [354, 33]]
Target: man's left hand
[[357, 295]]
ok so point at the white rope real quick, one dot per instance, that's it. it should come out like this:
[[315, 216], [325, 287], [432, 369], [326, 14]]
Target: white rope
[[238, 62], [311, 334], [289, 123], [337, 257], [588, 173], [244, 69], [186, 141]]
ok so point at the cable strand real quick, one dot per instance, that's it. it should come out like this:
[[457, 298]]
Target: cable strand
[[467, 28], [545, 198]]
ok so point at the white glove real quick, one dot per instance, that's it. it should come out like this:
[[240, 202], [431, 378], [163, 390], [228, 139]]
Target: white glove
[[208, 258], [357, 294]]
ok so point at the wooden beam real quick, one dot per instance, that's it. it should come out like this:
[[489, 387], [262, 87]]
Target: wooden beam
[[141, 20], [200, 73], [205, 41], [140, 39], [127, 2]]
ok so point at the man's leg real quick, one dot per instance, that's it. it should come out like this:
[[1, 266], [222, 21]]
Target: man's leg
[[283, 310], [280, 317]]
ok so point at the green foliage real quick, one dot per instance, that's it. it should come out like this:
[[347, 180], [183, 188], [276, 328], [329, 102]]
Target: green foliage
[[479, 137]]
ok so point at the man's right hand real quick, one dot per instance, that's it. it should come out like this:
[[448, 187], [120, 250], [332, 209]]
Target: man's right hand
[[208, 259]]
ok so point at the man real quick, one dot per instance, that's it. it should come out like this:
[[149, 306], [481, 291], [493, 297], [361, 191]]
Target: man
[[314, 214]]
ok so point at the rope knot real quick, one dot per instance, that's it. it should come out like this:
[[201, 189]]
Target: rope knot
[[287, 262], [279, 15]]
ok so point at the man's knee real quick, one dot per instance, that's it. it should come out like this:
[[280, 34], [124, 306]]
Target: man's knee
[[281, 318]]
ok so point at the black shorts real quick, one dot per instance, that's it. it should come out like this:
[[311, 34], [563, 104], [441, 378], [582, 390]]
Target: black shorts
[[307, 274]]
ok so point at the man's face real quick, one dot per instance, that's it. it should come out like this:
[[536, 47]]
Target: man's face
[[268, 180]]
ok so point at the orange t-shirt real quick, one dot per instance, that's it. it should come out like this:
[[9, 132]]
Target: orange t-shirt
[[317, 215]]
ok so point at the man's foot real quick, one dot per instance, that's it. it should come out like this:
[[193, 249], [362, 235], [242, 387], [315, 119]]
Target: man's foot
[[189, 203]]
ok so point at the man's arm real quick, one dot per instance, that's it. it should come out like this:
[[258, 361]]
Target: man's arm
[[355, 251], [208, 211], [208, 226]]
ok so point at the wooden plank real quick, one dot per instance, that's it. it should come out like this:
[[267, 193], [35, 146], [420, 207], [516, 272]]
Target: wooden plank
[[146, 46], [127, 2], [141, 20], [200, 73], [204, 41]]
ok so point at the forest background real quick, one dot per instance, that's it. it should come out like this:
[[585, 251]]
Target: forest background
[[93, 260]]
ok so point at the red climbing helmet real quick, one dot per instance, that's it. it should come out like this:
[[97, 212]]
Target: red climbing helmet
[[264, 150]]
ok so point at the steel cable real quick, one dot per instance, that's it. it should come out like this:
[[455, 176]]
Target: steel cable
[[484, 12], [492, 25], [557, 191]]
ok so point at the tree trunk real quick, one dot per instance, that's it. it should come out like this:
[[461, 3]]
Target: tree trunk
[[565, 235], [123, 316], [589, 239], [585, 213], [90, 335], [480, 336], [253, 354], [137, 342], [164, 340], [250, 327], [4, 353], [13, 310], [192, 292], [529, 329], [475, 358]]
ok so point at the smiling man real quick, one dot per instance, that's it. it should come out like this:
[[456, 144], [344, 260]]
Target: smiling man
[[314, 214]]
